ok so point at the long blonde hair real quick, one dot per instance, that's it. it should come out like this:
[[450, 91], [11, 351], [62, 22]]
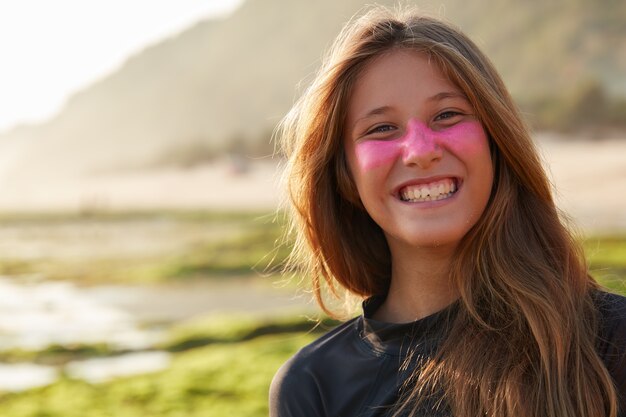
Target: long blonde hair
[[523, 341]]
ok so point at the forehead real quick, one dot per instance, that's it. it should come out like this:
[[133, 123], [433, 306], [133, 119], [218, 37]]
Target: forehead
[[397, 76]]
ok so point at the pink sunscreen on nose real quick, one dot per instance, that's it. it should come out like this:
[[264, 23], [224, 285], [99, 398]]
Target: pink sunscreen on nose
[[419, 141]]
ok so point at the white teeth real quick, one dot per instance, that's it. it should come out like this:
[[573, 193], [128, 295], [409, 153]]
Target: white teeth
[[435, 191]]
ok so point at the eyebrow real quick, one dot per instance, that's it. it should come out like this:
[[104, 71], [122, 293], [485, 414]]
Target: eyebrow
[[374, 112], [447, 94]]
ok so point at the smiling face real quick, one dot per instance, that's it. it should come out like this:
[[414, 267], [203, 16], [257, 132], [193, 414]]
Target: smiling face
[[419, 158]]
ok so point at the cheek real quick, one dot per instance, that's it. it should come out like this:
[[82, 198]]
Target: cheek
[[467, 139], [373, 154]]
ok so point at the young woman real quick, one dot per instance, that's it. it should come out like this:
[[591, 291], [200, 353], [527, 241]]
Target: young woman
[[416, 186]]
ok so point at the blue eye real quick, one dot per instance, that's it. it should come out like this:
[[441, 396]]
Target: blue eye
[[446, 115], [381, 129]]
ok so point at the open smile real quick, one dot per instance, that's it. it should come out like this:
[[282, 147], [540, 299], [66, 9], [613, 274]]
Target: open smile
[[431, 191]]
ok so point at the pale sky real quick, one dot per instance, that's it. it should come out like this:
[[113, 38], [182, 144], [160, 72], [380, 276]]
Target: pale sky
[[50, 49]]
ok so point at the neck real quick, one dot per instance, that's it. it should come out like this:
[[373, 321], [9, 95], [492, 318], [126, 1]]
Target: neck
[[420, 284]]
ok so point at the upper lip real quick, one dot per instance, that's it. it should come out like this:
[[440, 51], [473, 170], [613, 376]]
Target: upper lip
[[425, 180]]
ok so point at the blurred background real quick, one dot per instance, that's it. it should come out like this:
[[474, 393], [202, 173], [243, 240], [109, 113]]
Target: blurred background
[[139, 195]]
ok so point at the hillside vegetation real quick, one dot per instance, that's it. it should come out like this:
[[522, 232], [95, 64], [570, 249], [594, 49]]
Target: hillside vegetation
[[222, 85]]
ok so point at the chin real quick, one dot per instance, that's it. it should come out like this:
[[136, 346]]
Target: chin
[[431, 238]]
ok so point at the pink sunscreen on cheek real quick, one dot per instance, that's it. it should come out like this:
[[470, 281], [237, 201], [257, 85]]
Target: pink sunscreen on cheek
[[419, 140]]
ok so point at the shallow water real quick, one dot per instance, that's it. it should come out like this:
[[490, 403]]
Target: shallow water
[[35, 314], [105, 369], [23, 376]]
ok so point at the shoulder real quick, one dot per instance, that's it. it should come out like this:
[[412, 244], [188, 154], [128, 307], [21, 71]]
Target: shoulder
[[612, 316], [297, 388], [612, 335]]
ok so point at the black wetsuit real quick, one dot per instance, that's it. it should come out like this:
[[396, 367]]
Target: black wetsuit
[[357, 368]]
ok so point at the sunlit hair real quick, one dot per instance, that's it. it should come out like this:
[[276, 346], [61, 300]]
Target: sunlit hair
[[522, 343]]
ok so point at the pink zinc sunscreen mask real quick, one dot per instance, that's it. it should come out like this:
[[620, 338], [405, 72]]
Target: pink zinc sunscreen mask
[[464, 138]]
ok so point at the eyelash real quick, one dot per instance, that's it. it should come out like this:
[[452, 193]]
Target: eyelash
[[449, 113], [384, 128], [379, 129]]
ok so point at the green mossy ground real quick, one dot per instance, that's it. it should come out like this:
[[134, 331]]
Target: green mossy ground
[[221, 366], [227, 375]]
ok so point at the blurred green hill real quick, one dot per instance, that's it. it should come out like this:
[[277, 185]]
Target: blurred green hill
[[222, 85]]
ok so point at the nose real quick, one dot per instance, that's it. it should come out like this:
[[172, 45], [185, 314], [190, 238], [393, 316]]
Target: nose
[[420, 146]]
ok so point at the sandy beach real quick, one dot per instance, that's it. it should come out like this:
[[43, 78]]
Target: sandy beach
[[589, 178]]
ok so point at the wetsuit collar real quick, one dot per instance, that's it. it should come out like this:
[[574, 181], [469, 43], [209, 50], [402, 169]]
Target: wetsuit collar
[[396, 338]]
